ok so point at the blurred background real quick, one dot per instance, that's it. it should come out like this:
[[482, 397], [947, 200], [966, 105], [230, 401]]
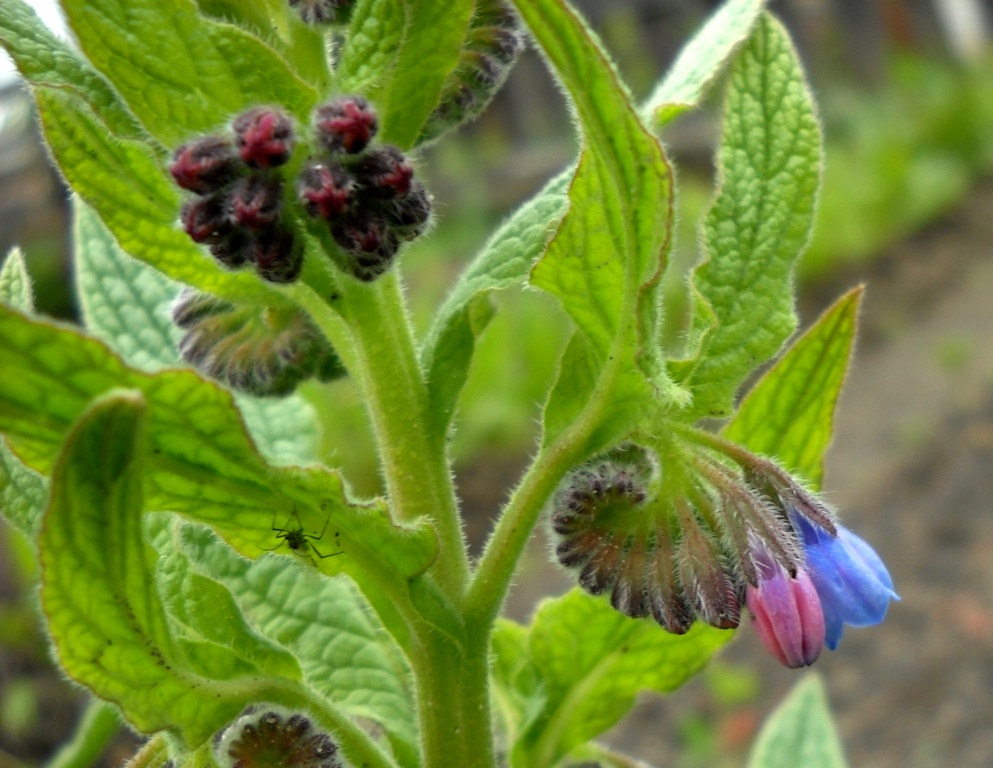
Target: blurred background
[[904, 88]]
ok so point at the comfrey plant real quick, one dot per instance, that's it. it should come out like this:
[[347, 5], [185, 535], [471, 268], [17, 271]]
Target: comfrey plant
[[246, 181]]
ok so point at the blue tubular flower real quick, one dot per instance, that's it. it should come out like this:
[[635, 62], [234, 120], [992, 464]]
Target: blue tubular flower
[[851, 580]]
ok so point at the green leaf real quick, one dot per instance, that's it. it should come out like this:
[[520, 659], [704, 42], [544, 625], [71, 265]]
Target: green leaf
[[593, 662], [180, 72], [275, 22], [98, 588], [607, 255], [800, 732], [134, 196], [373, 46], [701, 59], [128, 305], [15, 282], [517, 684], [789, 412], [769, 167], [346, 654], [428, 52], [504, 262], [23, 492], [124, 302], [47, 62], [207, 624], [203, 463]]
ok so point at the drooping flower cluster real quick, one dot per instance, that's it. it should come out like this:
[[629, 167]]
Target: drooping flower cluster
[[264, 351], [248, 215], [493, 43], [271, 737], [706, 528]]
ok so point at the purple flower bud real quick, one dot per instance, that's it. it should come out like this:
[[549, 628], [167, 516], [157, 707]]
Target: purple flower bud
[[205, 219], [850, 578], [346, 124], [205, 165], [786, 612], [277, 255], [264, 137], [275, 736], [385, 173], [255, 202], [325, 190]]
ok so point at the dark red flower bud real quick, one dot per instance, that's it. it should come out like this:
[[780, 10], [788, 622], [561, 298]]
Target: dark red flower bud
[[385, 173], [205, 165], [346, 124], [277, 255], [504, 44], [255, 202], [234, 249], [205, 219], [325, 190], [264, 137], [409, 216], [365, 235]]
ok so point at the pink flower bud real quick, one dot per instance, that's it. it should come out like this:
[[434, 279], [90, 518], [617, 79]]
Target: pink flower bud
[[786, 612], [325, 190], [205, 165], [264, 137], [346, 124], [255, 202]]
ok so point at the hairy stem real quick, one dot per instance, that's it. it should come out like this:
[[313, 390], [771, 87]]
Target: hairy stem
[[379, 351]]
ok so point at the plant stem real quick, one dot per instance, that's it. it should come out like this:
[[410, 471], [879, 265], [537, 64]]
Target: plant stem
[[503, 550], [95, 731], [382, 356]]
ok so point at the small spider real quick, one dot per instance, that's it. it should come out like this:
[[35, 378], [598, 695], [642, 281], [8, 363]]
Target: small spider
[[298, 540]]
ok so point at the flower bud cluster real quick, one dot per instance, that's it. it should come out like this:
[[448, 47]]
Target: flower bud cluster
[[365, 193], [243, 210], [238, 208], [709, 528], [271, 737], [263, 351], [494, 41]]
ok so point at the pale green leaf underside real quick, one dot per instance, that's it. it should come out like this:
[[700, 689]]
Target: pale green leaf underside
[[127, 304], [345, 653], [180, 72], [769, 168], [789, 413], [23, 491], [203, 463], [593, 662], [207, 622], [47, 62], [15, 283], [800, 732], [701, 59], [98, 589]]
